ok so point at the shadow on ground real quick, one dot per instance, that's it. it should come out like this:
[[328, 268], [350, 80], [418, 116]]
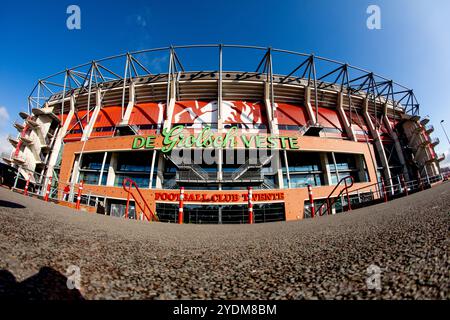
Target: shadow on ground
[[47, 284], [9, 204]]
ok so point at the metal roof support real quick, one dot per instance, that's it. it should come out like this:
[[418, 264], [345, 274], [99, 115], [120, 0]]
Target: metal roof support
[[38, 94], [316, 102], [63, 98], [219, 90], [306, 61], [270, 74], [89, 91], [380, 86], [140, 64], [124, 84]]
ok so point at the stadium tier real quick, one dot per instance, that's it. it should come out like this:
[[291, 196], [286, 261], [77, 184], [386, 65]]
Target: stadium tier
[[219, 135]]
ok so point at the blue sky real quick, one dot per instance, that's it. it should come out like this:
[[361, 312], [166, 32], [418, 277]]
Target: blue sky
[[413, 46]]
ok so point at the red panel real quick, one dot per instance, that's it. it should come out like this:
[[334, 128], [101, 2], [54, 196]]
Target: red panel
[[244, 112], [198, 112], [359, 126], [146, 113], [329, 118], [75, 126], [291, 114], [108, 117]]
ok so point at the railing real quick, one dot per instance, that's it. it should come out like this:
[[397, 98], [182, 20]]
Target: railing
[[128, 184], [379, 192], [268, 184], [330, 202], [247, 165], [435, 141]]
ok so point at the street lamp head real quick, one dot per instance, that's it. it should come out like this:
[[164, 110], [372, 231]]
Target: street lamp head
[[442, 121]]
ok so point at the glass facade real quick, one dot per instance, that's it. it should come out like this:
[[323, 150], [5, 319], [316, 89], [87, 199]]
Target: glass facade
[[345, 164], [298, 169], [221, 214], [91, 168], [304, 168], [134, 165]]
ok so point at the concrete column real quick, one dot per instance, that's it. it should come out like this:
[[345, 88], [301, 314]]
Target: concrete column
[[112, 170], [270, 109], [278, 165], [347, 126], [398, 147], [152, 168], [102, 169], [75, 171], [287, 170], [360, 163], [325, 168], [131, 103], [98, 105], [309, 108], [170, 105], [159, 173], [59, 138], [377, 142]]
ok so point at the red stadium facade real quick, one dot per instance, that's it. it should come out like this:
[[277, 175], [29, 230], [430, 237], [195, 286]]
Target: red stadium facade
[[243, 146]]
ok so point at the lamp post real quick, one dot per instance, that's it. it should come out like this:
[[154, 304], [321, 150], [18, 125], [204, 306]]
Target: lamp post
[[445, 132]]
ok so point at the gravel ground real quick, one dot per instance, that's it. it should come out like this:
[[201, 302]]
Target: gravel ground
[[324, 258]]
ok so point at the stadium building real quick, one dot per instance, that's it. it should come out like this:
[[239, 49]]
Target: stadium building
[[285, 121]]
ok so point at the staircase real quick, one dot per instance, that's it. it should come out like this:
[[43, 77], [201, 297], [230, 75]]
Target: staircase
[[268, 184], [247, 165], [310, 129]]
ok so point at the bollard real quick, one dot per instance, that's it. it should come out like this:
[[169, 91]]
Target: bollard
[[127, 208], [311, 201], [47, 192], [250, 205], [405, 188], [383, 187], [25, 192], [180, 208], [80, 190]]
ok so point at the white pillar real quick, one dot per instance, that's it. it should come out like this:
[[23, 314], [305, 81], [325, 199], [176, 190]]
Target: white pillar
[[170, 105], [98, 105], [347, 126], [377, 141], [60, 137], [131, 103], [112, 170], [398, 147], [309, 108], [273, 122]]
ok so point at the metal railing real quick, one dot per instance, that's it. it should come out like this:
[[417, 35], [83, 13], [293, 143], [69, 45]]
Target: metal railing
[[331, 199], [128, 184], [373, 194]]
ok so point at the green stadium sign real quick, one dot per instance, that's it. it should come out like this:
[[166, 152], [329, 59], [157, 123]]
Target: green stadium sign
[[177, 137]]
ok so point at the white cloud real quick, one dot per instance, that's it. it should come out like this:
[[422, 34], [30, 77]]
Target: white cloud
[[141, 21], [446, 162], [5, 146], [4, 117]]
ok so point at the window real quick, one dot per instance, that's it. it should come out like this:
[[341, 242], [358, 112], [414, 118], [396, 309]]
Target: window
[[346, 165], [91, 168], [134, 165], [304, 168]]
